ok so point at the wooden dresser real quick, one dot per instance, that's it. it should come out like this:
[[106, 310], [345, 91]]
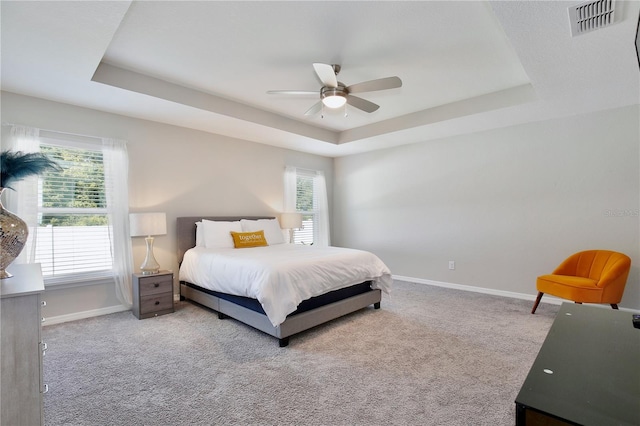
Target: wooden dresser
[[21, 386]]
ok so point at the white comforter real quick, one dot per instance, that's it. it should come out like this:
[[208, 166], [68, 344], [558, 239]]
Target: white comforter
[[283, 275]]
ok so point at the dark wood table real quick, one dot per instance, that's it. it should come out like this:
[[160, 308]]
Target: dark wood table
[[586, 373]]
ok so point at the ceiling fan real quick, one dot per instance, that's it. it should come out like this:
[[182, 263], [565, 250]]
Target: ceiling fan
[[335, 94]]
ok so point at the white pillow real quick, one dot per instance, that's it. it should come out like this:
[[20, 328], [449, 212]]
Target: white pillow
[[199, 234], [271, 228], [218, 234], [286, 235]]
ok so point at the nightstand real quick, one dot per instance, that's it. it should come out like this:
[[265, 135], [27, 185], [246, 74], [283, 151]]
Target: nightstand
[[152, 294]]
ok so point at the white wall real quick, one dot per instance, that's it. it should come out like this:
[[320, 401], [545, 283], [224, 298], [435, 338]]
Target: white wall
[[506, 205], [172, 169]]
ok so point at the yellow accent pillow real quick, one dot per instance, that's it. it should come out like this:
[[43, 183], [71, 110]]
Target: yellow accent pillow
[[248, 239]]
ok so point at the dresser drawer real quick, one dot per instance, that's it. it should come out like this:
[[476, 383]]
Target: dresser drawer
[[155, 303], [156, 285]]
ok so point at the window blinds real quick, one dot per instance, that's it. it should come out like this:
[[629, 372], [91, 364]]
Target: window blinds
[[73, 234]]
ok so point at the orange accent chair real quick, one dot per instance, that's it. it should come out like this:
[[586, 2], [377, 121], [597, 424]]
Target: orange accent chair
[[592, 276]]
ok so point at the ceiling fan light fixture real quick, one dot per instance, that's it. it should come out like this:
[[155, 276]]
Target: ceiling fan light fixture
[[333, 97], [334, 101]]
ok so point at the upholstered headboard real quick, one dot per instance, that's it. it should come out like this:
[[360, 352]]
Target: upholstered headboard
[[186, 230]]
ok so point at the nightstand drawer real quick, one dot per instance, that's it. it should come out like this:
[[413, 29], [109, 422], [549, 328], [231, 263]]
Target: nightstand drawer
[[159, 302], [156, 285]]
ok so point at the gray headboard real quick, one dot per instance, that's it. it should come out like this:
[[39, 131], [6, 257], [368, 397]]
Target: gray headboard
[[186, 230]]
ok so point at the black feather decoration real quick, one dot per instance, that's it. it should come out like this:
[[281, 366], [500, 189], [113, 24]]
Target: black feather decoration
[[15, 166]]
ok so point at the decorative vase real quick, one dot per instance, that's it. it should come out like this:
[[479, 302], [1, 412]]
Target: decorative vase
[[13, 236]]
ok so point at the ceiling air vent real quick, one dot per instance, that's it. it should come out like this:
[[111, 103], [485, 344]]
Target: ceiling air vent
[[591, 16]]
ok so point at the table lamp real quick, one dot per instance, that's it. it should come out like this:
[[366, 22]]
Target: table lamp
[[291, 221], [147, 225]]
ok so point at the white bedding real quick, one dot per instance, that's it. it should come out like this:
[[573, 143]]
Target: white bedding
[[281, 276]]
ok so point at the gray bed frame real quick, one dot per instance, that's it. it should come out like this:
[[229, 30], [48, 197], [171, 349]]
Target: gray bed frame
[[186, 236]]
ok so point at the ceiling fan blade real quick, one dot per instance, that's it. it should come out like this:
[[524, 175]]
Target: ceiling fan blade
[[373, 85], [362, 104], [326, 74], [314, 109], [292, 92]]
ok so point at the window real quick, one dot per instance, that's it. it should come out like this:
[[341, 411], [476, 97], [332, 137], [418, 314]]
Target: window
[[306, 203], [73, 234], [305, 192], [77, 217]]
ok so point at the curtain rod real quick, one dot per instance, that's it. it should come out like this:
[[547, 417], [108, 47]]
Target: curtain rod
[[56, 131], [302, 169]]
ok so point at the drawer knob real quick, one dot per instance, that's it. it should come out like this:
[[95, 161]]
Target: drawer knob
[[157, 302], [156, 285], [43, 303]]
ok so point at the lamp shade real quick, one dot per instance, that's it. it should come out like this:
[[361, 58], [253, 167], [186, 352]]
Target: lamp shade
[[291, 220], [147, 224]]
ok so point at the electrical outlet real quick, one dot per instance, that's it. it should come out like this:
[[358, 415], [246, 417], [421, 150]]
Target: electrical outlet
[[452, 264]]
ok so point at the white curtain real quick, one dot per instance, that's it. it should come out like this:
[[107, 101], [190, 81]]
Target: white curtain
[[322, 236], [116, 171], [290, 187], [24, 200]]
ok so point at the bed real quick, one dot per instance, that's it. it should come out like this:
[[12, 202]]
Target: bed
[[274, 288]]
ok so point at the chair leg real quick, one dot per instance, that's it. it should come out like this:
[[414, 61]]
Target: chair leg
[[535, 305], [614, 306]]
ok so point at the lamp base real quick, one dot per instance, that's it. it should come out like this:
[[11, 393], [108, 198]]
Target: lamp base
[[150, 266]]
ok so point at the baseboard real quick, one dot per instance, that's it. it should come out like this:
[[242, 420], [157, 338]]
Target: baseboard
[[84, 314], [514, 295], [483, 290], [532, 297]]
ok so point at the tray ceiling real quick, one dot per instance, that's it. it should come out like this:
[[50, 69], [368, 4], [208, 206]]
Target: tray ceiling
[[465, 66]]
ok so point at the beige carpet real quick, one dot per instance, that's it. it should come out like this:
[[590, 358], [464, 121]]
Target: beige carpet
[[430, 356]]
